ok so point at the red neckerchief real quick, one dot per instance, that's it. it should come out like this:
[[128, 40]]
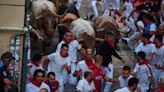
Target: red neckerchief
[[34, 63], [138, 4], [147, 24], [99, 69], [70, 40], [146, 62], [89, 63], [110, 42], [149, 42], [159, 45], [38, 84]]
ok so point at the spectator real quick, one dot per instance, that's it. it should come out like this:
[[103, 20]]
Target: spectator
[[86, 84], [143, 72], [52, 82], [106, 50], [6, 58], [124, 78], [132, 86], [146, 46], [74, 46], [34, 64], [58, 62], [36, 82]]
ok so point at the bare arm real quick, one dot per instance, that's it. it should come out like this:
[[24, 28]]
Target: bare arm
[[82, 50], [44, 58], [68, 68]]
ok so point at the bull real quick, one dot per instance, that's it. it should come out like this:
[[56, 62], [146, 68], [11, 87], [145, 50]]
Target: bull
[[44, 20]]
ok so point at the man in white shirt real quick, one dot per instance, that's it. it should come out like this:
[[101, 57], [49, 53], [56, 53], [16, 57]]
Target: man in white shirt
[[34, 64], [74, 46], [124, 78], [58, 62], [86, 84], [84, 65], [132, 86], [146, 46], [110, 7], [143, 72], [158, 63], [36, 83]]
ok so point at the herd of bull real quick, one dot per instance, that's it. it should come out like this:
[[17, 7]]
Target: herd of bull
[[47, 18]]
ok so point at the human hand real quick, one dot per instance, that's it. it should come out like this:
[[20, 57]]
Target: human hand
[[7, 81]]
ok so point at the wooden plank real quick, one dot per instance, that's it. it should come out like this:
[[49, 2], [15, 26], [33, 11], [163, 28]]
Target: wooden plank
[[12, 2], [12, 16]]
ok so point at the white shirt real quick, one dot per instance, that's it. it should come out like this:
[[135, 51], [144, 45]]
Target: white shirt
[[128, 8], [125, 89], [159, 56], [85, 86], [57, 63], [73, 47], [32, 88], [143, 73], [153, 37], [82, 66], [124, 82], [153, 27], [113, 4], [32, 68], [148, 49]]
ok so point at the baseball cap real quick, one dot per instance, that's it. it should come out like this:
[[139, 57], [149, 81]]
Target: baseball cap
[[7, 56]]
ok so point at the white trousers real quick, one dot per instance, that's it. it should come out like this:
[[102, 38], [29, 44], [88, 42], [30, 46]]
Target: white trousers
[[78, 4], [109, 73], [71, 79], [92, 6]]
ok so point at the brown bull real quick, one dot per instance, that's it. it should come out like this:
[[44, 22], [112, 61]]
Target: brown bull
[[104, 24], [44, 23]]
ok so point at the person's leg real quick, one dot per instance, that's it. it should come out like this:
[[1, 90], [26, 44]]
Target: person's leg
[[78, 4], [72, 80], [109, 73], [93, 7]]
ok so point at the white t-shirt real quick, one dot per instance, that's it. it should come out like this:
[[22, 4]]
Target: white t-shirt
[[85, 86], [57, 63], [153, 37], [125, 89], [113, 4], [32, 68], [82, 66], [32, 88], [153, 27], [143, 73], [128, 8], [73, 47], [124, 82], [148, 49]]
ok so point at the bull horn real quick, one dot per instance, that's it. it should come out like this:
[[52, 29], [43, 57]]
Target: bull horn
[[60, 16], [100, 30], [38, 17], [80, 40], [99, 39]]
